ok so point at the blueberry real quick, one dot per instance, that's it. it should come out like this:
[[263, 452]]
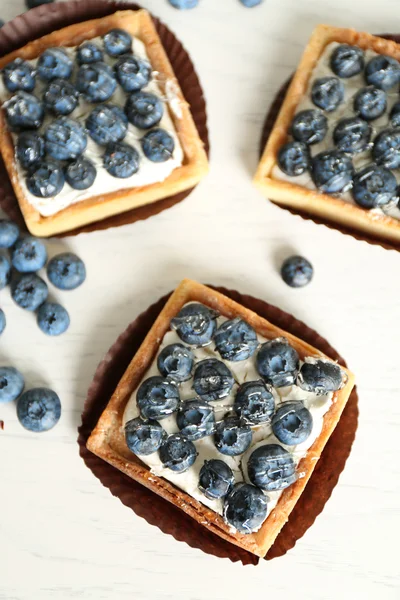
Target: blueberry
[[88, 53], [195, 419], [132, 73], [297, 271], [29, 291], [195, 324], [395, 115], [309, 126], [212, 379], [292, 423], [52, 318], [294, 158], [254, 402], [321, 377], [158, 145], [80, 174], [383, 72], [370, 103], [144, 437], [332, 172], [97, 82], [60, 97], [245, 508], [54, 63], [65, 139], [178, 453], [2, 23], [236, 340], [347, 61], [144, 110], [45, 180], [3, 321], [11, 384], [278, 362], [184, 4], [386, 149], [9, 233], [216, 479], [39, 409], [121, 160], [232, 436], [271, 468], [176, 362], [5, 270], [107, 123], [352, 135], [19, 74], [250, 3], [66, 271], [28, 255], [117, 42], [23, 111], [157, 398], [374, 187], [30, 149], [35, 3], [327, 93]]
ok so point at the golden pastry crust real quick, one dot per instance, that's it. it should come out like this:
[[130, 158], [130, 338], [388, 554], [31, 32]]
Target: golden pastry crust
[[107, 439], [139, 24], [314, 202]]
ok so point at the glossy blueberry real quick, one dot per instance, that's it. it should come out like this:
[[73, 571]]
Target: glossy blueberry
[[52, 318], [46, 179], [60, 97], [216, 479], [11, 384], [96, 81], [278, 362], [157, 398], [178, 453], [9, 233], [297, 271], [383, 72], [232, 436], [23, 111], [29, 291], [80, 174], [184, 4], [235, 340], [35, 3], [158, 145], [347, 61], [321, 377], [29, 149], [327, 93], [386, 149], [107, 123], [245, 508], [395, 115], [65, 139], [352, 135], [195, 419], [294, 158], [132, 73], [292, 423], [28, 255], [212, 379], [255, 402], [66, 271], [332, 172], [3, 321], [144, 437], [117, 42], [309, 126], [5, 270], [271, 468], [374, 187], [370, 103], [19, 74], [144, 110], [54, 63], [121, 160], [39, 409], [88, 53], [195, 324], [176, 362]]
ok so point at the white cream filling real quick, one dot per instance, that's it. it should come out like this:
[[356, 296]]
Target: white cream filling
[[344, 110], [242, 371], [149, 172]]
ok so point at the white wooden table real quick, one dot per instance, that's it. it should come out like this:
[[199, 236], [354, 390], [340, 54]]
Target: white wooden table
[[62, 535]]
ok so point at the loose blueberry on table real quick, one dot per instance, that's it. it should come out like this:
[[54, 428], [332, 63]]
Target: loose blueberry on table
[[66, 271], [297, 271], [28, 255], [9, 233], [52, 318], [29, 291], [5, 271], [39, 409], [11, 384]]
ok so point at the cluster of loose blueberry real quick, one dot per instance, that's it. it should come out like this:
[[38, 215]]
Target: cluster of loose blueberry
[[270, 466], [332, 171], [22, 257]]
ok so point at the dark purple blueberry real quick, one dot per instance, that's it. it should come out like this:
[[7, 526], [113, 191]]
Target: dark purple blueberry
[[39, 409], [96, 82], [80, 174], [88, 53], [65, 139], [117, 42]]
